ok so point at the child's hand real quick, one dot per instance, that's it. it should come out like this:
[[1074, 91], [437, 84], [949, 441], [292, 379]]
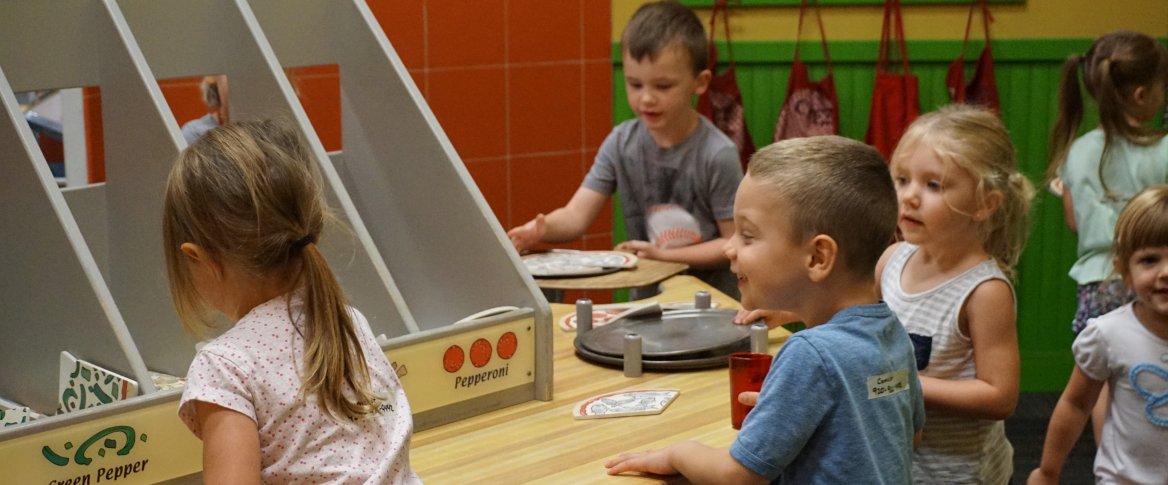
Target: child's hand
[[643, 249], [529, 234], [772, 318], [749, 398], [651, 461], [1039, 477]]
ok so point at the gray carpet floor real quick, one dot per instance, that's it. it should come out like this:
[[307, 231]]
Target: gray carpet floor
[[1027, 430]]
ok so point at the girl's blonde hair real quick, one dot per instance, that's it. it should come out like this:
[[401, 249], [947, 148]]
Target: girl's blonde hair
[[1142, 224], [249, 194], [1113, 67], [975, 140]]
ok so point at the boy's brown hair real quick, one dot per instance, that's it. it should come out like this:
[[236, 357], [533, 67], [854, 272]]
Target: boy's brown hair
[[833, 186], [657, 26]]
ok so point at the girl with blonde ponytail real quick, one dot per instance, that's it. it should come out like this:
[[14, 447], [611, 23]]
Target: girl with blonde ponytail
[[297, 389], [963, 213]]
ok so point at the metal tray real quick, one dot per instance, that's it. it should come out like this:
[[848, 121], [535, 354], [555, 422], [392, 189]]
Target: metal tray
[[677, 339], [695, 361]]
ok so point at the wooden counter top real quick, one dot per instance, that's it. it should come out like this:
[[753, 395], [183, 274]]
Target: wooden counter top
[[540, 442]]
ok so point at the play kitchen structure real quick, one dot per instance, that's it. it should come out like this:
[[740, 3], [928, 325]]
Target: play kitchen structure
[[93, 352]]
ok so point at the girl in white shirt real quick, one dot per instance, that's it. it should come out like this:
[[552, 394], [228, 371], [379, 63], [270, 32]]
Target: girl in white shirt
[[1127, 350], [297, 390]]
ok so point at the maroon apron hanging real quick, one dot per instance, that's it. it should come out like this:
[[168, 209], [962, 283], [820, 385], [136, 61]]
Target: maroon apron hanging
[[895, 101], [811, 108], [982, 90], [722, 101]]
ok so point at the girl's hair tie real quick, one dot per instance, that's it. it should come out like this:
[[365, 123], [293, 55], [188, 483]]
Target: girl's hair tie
[[304, 241]]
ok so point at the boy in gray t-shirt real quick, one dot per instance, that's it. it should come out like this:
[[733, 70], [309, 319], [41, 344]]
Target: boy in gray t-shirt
[[675, 171]]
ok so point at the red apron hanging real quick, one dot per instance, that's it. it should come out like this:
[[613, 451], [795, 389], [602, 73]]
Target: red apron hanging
[[722, 101], [895, 101], [982, 90], [811, 108]]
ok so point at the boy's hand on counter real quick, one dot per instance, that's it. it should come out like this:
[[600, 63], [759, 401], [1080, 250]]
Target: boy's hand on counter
[[529, 234], [643, 249], [650, 461], [772, 318]]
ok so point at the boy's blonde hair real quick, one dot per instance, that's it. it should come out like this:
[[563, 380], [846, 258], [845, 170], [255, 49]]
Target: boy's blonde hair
[[975, 140], [833, 186], [1142, 224], [659, 25], [249, 195]]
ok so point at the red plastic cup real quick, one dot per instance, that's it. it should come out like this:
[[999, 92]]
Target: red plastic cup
[[747, 371]]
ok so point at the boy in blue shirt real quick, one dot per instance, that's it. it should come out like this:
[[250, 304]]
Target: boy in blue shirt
[[675, 170], [842, 400]]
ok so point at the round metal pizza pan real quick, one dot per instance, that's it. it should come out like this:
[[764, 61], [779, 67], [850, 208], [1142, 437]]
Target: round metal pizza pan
[[674, 335], [696, 361]]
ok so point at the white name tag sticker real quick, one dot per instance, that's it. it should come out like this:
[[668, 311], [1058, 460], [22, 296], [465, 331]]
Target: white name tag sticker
[[887, 384]]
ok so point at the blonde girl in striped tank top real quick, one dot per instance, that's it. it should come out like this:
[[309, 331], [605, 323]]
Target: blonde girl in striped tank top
[[963, 207]]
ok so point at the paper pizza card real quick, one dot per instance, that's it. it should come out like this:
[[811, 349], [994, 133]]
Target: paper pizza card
[[17, 415], [603, 314], [625, 403], [83, 385], [564, 263], [166, 382]]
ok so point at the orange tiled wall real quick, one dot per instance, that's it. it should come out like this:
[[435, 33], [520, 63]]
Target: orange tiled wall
[[523, 88]]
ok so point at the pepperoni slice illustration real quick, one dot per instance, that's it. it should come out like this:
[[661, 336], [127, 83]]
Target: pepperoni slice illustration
[[453, 359], [480, 352], [506, 345]]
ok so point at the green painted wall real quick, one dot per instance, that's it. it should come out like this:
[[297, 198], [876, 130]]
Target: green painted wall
[[1027, 75]]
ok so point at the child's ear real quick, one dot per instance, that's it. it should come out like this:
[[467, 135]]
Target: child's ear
[[703, 82], [989, 206], [1139, 95], [822, 254], [192, 251], [196, 255], [1120, 269]]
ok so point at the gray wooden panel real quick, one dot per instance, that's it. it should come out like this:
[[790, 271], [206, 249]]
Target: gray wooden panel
[[52, 296], [182, 38], [90, 47], [443, 245], [448, 254]]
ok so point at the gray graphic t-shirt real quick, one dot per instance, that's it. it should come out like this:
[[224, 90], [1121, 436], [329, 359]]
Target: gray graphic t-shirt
[[700, 175]]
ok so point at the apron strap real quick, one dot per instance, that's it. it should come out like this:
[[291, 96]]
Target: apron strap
[[720, 6], [882, 57], [822, 32], [900, 39], [892, 20], [986, 17]]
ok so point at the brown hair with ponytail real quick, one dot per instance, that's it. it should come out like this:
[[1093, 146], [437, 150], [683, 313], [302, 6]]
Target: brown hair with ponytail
[[1116, 64], [249, 194]]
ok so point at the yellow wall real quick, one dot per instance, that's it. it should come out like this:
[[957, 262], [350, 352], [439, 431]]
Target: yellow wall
[[1044, 19]]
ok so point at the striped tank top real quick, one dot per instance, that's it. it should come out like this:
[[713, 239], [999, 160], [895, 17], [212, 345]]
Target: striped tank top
[[954, 449]]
